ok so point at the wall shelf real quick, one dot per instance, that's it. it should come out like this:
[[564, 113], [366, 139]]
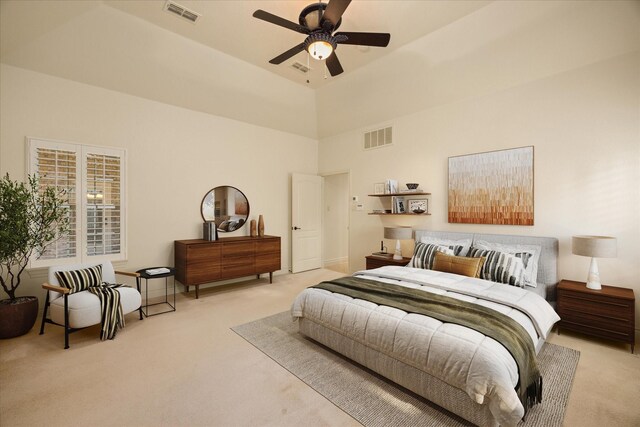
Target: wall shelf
[[407, 194], [406, 213]]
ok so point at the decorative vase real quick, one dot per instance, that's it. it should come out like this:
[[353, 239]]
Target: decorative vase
[[17, 317], [209, 231], [252, 226], [260, 226]]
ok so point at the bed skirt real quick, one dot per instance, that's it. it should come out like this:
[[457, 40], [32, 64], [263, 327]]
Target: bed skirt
[[433, 389]]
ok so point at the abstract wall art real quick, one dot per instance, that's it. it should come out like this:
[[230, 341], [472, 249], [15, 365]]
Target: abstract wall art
[[492, 188]]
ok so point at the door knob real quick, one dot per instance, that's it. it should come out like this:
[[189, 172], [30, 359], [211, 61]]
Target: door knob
[[297, 228]]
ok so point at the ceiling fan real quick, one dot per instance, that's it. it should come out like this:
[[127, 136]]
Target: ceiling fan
[[319, 21]]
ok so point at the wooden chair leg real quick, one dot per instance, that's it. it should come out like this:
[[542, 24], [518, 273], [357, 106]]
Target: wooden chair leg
[[44, 314]]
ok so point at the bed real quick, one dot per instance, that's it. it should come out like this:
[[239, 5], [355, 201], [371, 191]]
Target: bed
[[457, 368]]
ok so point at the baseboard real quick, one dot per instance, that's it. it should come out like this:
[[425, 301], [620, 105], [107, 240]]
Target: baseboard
[[335, 261]]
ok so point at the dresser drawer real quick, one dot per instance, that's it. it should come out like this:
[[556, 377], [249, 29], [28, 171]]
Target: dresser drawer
[[599, 331], [238, 250], [203, 272], [239, 267], [603, 306], [268, 246], [202, 253], [267, 262], [614, 324]]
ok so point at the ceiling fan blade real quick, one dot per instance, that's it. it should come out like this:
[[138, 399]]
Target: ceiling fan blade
[[334, 65], [288, 54], [365, 39], [334, 10], [269, 17]]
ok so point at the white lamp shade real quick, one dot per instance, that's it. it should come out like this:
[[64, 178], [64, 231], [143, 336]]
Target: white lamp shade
[[398, 233], [594, 246]]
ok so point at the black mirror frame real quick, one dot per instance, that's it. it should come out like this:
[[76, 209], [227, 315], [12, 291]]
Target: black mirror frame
[[226, 186]]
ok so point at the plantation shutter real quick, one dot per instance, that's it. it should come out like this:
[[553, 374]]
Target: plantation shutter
[[103, 204], [93, 182], [56, 166]]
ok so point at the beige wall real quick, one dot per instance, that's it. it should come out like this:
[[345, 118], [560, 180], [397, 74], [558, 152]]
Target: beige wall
[[174, 157], [577, 103], [335, 219]]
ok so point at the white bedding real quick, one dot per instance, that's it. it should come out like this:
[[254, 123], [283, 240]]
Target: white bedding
[[460, 356]]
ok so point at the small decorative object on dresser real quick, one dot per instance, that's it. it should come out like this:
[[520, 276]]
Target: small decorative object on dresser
[[595, 247], [606, 313], [253, 229], [260, 226], [209, 231]]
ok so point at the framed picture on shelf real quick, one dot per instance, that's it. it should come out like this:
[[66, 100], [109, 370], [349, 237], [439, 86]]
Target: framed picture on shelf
[[398, 205], [417, 205], [378, 188]]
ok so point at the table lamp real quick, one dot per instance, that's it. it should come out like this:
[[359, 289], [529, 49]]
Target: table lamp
[[595, 247], [398, 233]]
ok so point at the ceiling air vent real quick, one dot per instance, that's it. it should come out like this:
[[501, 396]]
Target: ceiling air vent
[[181, 11], [378, 138], [300, 67]]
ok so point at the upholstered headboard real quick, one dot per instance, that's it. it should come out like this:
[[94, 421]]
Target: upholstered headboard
[[547, 266]]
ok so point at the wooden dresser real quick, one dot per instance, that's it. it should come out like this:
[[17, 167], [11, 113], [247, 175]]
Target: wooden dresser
[[201, 261], [607, 313]]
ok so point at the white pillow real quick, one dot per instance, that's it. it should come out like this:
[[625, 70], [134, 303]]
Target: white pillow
[[465, 243], [531, 264]]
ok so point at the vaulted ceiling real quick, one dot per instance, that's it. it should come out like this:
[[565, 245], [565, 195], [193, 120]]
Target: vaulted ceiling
[[228, 26]]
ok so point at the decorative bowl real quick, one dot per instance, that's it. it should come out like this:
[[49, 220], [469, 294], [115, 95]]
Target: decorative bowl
[[412, 185], [419, 211]]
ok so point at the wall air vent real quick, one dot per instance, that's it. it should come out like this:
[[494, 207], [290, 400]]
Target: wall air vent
[[181, 11], [378, 138], [300, 67]]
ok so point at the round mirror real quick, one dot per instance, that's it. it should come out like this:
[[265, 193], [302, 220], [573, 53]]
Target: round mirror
[[227, 206]]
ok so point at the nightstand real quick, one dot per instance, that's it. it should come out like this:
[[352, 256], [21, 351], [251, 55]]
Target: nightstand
[[607, 313], [375, 261]]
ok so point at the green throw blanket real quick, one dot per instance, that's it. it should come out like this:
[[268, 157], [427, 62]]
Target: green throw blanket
[[489, 322], [111, 309]]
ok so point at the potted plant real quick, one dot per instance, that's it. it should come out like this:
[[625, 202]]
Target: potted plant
[[30, 220]]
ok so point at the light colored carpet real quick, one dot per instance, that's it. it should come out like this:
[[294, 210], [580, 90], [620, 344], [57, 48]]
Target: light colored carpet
[[188, 368], [374, 401]]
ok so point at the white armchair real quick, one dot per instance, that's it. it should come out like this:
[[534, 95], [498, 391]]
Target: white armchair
[[82, 309]]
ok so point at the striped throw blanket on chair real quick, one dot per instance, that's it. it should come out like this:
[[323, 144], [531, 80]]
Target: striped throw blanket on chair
[[112, 316]]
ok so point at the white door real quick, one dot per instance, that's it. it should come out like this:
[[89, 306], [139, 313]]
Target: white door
[[306, 222]]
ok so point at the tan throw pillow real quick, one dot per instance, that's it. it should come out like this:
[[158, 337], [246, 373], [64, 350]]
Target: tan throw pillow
[[464, 266]]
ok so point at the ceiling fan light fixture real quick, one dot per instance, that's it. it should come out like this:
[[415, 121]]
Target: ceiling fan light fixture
[[320, 45]]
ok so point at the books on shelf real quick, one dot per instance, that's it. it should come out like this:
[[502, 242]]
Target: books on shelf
[[398, 204], [391, 186]]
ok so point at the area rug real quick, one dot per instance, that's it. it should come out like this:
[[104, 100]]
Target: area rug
[[374, 401]]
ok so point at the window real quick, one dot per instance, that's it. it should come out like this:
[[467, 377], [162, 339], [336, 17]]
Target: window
[[93, 182]]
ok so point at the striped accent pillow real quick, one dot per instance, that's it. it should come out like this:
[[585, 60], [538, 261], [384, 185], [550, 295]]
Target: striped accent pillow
[[500, 267], [424, 253], [80, 280]]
